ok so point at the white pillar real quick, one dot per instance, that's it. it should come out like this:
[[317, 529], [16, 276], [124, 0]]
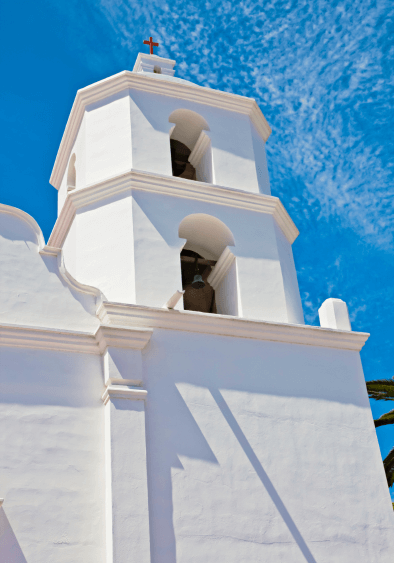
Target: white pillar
[[127, 512], [334, 314]]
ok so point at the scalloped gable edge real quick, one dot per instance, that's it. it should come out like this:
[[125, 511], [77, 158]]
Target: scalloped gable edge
[[45, 250], [169, 185], [26, 218], [139, 81]]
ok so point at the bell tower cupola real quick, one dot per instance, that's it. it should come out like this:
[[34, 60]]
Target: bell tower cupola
[[162, 182]]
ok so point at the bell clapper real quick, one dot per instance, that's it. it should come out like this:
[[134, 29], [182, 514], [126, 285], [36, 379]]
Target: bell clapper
[[198, 282]]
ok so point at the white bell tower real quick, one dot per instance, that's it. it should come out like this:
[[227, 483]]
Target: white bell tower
[[233, 431], [129, 201]]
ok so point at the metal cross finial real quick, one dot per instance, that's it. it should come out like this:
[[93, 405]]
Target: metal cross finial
[[151, 45]]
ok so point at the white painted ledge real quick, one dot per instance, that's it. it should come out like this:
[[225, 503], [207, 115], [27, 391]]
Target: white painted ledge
[[206, 323], [121, 337], [123, 392], [74, 341], [148, 82], [131, 326], [173, 186]]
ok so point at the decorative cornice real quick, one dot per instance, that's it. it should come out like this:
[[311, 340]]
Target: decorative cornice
[[48, 339], [221, 268], [74, 341], [121, 337], [149, 82], [191, 321], [173, 186], [123, 392], [200, 147]]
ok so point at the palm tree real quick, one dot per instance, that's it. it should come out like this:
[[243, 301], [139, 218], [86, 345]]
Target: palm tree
[[383, 390]]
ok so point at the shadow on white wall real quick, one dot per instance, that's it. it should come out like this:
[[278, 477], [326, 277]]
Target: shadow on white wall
[[10, 550]]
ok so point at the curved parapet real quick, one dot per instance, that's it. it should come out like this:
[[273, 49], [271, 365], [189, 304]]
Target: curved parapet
[[36, 288]]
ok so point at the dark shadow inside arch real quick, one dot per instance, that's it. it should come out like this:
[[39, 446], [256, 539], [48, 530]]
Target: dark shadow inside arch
[[181, 166], [202, 299]]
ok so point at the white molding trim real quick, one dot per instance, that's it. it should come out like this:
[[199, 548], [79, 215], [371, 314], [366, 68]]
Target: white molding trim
[[173, 186], [200, 147], [49, 250], [60, 340], [48, 339], [191, 321], [122, 337], [221, 268], [68, 278], [76, 285], [148, 82], [123, 392]]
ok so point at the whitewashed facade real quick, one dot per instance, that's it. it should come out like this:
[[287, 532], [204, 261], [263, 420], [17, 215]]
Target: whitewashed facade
[[135, 432]]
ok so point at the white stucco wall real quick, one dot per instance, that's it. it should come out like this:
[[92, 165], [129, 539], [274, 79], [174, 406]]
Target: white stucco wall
[[150, 127], [227, 293], [100, 249], [290, 282], [204, 169], [260, 161], [33, 293], [246, 450], [52, 457], [265, 452], [108, 138]]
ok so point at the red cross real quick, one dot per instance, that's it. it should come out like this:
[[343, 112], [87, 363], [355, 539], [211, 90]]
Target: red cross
[[151, 45]]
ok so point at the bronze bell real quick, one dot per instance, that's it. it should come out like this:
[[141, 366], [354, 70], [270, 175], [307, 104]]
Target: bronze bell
[[198, 282]]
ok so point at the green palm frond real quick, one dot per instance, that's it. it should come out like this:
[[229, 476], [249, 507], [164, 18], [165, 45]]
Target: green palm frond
[[381, 389], [387, 418], [388, 463]]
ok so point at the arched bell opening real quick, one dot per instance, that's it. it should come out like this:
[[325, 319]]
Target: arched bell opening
[[199, 294], [191, 155], [181, 166], [207, 239]]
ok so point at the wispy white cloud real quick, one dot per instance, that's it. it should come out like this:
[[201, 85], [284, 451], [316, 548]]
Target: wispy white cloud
[[321, 74]]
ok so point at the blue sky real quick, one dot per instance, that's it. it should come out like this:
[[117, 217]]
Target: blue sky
[[322, 73]]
